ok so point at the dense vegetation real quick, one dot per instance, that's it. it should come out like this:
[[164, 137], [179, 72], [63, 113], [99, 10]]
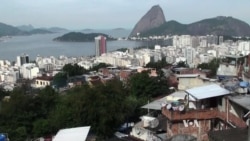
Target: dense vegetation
[[28, 115], [213, 65], [170, 27], [227, 26], [80, 37]]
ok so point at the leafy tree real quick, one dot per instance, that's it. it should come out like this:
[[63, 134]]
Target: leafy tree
[[41, 127], [100, 65], [106, 101], [142, 85], [182, 64], [20, 133], [158, 65], [3, 93], [84, 106], [24, 115], [213, 65], [16, 115], [73, 70], [60, 79]]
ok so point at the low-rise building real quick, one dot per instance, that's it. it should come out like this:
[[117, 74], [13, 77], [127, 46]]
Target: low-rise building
[[43, 81]]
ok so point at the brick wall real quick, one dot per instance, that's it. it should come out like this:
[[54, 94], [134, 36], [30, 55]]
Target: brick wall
[[199, 132]]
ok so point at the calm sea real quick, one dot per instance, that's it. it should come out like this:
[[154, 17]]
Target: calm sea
[[43, 45]]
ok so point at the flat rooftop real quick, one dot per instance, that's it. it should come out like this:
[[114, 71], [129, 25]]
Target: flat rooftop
[[242, 100]]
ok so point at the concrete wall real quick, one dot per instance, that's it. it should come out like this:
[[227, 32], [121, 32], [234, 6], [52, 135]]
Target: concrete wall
[[187, 82]]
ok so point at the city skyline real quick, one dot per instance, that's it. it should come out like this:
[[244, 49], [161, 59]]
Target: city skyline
[[108, 14]]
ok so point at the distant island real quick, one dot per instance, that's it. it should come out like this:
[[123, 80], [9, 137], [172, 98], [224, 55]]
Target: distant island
[[81, 37]]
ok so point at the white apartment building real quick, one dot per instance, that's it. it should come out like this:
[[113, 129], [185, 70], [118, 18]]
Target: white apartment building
[[171, 51], [205, 58], [182, 41], [189, 54], [23, 59], [87, 64], [212, 52], [116, 59], [244, 47], [29, 71], [222, 50]]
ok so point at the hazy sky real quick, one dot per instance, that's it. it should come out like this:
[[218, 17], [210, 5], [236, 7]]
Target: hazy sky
[[107, 14]]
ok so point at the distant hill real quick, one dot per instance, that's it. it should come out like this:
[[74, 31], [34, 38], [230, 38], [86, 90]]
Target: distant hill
[[152, 19], [227, 26], [57, 29], [87, 30], [80, 37], [25, 27], [8, 30], [119, 28], [39, 31]]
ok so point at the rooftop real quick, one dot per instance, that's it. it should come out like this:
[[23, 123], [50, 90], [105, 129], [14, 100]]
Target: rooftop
[[242, 100], [234, 134], [157, 104], [72, 134], [207, 91]]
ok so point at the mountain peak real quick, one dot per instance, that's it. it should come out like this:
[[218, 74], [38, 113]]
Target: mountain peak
[[152, 19]]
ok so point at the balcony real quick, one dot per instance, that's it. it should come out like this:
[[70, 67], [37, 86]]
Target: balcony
[[203, 114]]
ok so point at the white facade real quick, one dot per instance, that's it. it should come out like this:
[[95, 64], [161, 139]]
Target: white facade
[[23, 59], [182, 41], [205, 58], [213, 52], [190, 55], [29, 71], [244, 48]]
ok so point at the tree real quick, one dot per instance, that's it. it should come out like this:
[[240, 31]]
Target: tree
[[100, 65], [103, 107], [142, 85], [158, 65], [182, 64], [107, 102], [73, 70], [3, 93], [60, 79], [213, 65]]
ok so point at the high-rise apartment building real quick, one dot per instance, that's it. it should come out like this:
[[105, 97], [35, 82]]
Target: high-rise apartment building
[[100, 45], [23, 59], [189, 55]]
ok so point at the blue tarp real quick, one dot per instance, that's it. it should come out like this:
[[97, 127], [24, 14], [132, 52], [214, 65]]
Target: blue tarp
[[2, 137], [244, 84]]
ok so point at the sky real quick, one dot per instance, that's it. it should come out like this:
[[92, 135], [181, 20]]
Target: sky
[[109, 14]]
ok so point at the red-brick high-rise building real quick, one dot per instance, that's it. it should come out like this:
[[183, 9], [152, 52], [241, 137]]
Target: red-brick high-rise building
[[100, 45]]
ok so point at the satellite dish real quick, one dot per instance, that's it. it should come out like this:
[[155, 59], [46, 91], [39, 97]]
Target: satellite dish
[[247, 122], [163, 105], [181, 108], [154, 123], [169, 106]]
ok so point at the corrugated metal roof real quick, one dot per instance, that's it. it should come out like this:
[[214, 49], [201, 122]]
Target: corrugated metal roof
[[207, 91], [187, 75], [72, 134]]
